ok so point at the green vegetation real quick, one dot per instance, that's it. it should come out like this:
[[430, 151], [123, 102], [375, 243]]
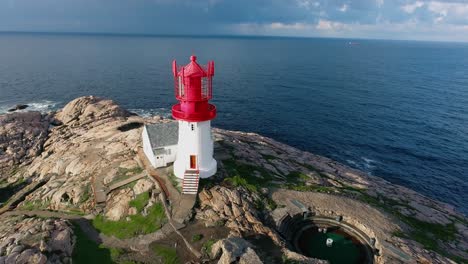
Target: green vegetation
[[241, 174], [268, 157], [14, 170], [240, 181], [137, 225], [124, 173], [36, 204], [168, 254], [265, 203], [297, 181], [286, 260], [423, 232], [208, 245], [197, 237], [86, 194], [116, 252], [174, 181], [130, 171], [75, 211], [140, 201], [87, 251]]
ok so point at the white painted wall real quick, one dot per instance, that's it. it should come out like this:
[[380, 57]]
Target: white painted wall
[[147, 147], [166, 158], [195, 142]]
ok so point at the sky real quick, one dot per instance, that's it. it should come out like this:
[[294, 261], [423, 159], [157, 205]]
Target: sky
[[441, 20]]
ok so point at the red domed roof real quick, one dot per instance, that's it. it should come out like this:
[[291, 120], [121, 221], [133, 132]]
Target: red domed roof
[[193, 69]]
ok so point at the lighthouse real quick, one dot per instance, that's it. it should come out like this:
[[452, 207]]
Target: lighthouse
[[193, 90]]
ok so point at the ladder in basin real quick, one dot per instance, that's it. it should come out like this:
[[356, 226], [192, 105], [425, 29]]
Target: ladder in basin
[[190, 182]]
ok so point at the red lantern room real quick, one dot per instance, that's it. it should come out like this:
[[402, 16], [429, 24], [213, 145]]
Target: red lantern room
[[193, 89]]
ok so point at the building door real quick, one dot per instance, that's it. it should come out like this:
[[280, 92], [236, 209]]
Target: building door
[[193, 161]]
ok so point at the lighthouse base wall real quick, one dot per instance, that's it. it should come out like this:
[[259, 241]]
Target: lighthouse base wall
[[195, 149]]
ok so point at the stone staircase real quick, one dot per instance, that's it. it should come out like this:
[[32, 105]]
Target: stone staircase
[[190, 182]]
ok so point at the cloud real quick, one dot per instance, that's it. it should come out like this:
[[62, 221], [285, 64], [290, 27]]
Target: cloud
[[410, 8], [458, 12], [400, 19], [295, 26], [327, 25], [343, 8]]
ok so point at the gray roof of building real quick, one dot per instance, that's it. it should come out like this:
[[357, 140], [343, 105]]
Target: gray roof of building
[[163, 134]]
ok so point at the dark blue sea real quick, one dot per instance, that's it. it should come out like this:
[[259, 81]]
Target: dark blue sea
[[396, 109]]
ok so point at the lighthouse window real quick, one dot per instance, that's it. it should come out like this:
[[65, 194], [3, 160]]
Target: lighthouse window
[[193, 127]]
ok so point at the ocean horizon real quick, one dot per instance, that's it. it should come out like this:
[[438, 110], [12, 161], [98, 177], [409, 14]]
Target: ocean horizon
[[396, 109]]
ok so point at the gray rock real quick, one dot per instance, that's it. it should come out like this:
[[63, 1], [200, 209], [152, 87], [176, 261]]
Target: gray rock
[[250, 257], [17, 249]]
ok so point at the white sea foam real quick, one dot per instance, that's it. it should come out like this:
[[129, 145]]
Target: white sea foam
[[164, 112], [366, 164], [369, 163], [43, 106]]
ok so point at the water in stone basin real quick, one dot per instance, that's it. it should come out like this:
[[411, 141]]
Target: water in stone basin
[[344, 249]]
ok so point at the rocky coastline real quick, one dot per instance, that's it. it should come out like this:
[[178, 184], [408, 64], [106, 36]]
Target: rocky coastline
[[76, 177]]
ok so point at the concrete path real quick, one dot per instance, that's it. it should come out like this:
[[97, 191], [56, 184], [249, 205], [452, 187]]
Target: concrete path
[[181, 204], [126, 181], [177, 200], [101, 191]]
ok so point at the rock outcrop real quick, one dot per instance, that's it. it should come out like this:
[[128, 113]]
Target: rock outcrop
[[34, 240], [86, 153], [22, 136], [234, 249], [88, 109], [236, 208], [91, 144]]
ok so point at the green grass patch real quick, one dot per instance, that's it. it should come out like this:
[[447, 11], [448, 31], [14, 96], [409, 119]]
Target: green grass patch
[[265, 203], [208, 245], [87, 251], [36, 204], [197, 237], [309, 188], [237, 171], [268, 157], [286, 260], [174, 181], [124, 173], [86, 194], [297, 181], [296, 177], [3, 182], [168, 254], [140, 201], [75, 211], [130, 171], [238, 181], [138, 224], [427, 234]]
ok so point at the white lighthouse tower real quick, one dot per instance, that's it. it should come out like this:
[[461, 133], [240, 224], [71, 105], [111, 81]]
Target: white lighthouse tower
[[193, 89]]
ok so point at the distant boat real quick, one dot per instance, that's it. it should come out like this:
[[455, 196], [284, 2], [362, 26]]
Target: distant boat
[[353, 43]]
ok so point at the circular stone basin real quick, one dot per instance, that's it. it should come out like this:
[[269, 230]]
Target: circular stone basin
[[345, 249]]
